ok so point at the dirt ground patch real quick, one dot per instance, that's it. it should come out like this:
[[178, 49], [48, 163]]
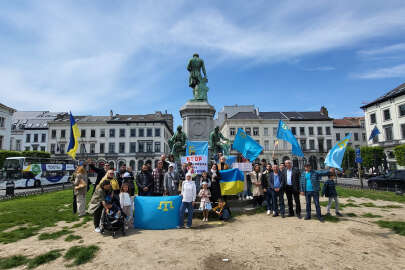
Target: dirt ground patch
[[248, 242]]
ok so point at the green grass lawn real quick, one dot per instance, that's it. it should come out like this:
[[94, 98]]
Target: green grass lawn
[[369, 194]]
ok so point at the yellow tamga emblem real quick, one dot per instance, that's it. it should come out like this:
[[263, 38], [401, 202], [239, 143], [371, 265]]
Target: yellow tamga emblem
[[165, 205]]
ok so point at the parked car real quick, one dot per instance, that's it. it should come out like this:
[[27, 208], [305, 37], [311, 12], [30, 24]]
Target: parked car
[[393, 180]]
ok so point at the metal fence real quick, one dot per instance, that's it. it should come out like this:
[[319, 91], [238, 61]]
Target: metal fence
[[18, 193]]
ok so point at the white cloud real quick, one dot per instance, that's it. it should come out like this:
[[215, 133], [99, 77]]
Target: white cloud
[[88, 57], [400, 47], [320, 68], [397, 71]]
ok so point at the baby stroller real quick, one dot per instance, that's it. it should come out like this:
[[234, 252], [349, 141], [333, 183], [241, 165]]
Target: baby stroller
[[113, 221]]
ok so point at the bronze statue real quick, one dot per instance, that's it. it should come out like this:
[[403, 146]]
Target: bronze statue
[[216, 145], [177, 143], [196, 81]]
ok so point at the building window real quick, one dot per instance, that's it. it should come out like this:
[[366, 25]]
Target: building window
[[401, 109], [122, 132], [266, 131], [149, 146], [320, 145], [311, 130], [363, 135], [1, 142], [311, 144], [232, 132], [141, 147], [141, 132], [92, 148], [387, 115], [132, 147], [248, 131], [328, 144], [83, 133], [62, 148], [35, 147], [52, 148], [111, 148], [157, 147], [157, 132], [327, 130], [255, 131], [132, 132], [294, 131], [62, 133], [43, 137], [2, 121], [302, 131], [102, 146], [337, 136], [148, 132], [403, 131], [53, 133], [18, 145], [121, 147], [388, 133], [266, 146], [82, 148], [35, 137], [102, 133], [274, 131], [303, 143], [28, 138], [356, 136], [373, 118], [112, 132], [319, 130], [27, 148], [93, 133]]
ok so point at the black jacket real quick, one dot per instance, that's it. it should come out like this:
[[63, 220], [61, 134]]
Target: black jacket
[[295, 179], [144, 179], [100, 173], [268, 180]]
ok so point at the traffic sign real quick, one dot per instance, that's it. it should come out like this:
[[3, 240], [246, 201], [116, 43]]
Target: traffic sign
[[358, 156]]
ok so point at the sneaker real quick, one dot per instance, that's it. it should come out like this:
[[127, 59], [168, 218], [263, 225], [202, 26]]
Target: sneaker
[[126, 227], [299, 216], [240, 198], [268, 212], [339, 214], [179, 227], [187, 227], [97, 230]]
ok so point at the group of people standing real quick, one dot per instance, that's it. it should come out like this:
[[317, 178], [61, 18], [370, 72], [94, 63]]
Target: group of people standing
[[271, 182]]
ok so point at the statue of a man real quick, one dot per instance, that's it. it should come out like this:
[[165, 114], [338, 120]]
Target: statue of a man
[[215, 143], [196, 81], [177, 143]]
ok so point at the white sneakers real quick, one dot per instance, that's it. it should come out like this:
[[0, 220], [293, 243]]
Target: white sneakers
[[97, 230], [268, 212], [205, 219]]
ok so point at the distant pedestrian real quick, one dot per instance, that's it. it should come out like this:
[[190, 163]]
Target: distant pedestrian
[[329, 190]]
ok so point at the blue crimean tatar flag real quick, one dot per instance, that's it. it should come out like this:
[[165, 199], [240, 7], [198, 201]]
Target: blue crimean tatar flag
[[231, 182], [284, 133], [74, 137], [335, 155], [156, 213], [195, 148], [374, 133], [248, 147]]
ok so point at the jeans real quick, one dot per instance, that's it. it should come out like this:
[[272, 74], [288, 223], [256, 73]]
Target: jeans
[[269, 200], [278, 198], [330, 204], [189, 207], [249, 188], [308, 196], [257, 201], [289, 191]]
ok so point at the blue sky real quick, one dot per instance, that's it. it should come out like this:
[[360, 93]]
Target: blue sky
[[130, 56]]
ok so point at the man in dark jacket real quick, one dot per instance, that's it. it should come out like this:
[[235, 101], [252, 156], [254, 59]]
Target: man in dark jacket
[[310, 187], [276, 183], [267, 191], [292, 188], [99, 171], [144, 180]]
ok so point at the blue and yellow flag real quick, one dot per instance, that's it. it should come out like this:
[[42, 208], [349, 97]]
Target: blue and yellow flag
[[335, 155], [157, 213], [74, 138], [248, 147], [284, 133], [195, 148], [231, 182]]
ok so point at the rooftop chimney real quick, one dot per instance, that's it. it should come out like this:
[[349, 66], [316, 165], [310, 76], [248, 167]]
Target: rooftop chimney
[[111, 114]]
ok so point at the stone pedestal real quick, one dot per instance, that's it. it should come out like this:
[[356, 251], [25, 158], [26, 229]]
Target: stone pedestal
[[198, 120]]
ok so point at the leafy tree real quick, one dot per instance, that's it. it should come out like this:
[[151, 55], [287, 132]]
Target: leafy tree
[[6, 154], [349, 158], [399, 152], [372, 156]]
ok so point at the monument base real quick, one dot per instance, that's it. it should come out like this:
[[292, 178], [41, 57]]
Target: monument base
[[198, 120]]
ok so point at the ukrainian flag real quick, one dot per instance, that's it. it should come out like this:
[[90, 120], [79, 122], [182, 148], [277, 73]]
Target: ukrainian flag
[[231, 182], [74, 138]]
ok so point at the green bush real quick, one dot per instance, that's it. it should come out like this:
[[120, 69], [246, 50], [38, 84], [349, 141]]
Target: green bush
[[399, 152], [372, 155]]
